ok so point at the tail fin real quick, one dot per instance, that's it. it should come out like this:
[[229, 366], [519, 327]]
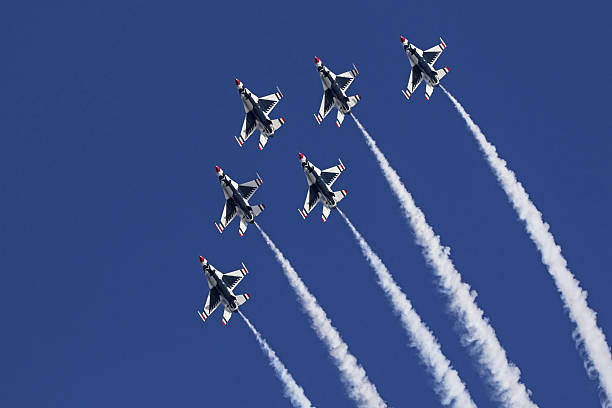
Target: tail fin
[[277, 123], [240, 299], [339, 195], [353, 100], [442, 72], [257, 209]]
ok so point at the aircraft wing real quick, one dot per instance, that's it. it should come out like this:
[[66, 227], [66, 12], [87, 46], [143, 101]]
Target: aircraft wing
[[231, 279], [345, 79], [229, 212], [330, 175], [249, 188], [248, 127], [268, 102], [416, 76], [326, 104], [212, 301], [432, 54], [312, 198]]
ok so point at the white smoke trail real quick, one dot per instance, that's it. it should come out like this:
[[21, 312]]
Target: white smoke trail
[[449, 386], [294, 392], [587, 333], [354, 377], [480, 336]]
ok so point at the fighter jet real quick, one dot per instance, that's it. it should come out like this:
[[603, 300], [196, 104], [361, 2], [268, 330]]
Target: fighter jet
[[221, 286], [237, 201], [257, 110], [422, 67], [319, 183], [333, 92]]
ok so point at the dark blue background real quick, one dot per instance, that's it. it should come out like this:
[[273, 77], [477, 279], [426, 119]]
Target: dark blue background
[[114, 114]]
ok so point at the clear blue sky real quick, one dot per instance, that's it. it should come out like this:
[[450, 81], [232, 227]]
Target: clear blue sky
[[114, 115]]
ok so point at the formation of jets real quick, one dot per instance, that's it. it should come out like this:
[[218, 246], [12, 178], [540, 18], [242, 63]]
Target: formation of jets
[[319, 181]]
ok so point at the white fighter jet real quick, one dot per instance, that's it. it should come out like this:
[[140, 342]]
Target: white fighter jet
[[257, 110], [422, 67], [237, 201], [221, 286], [319, 187], [333, 92]]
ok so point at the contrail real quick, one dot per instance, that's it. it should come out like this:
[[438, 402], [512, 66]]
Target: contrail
[[479, 336], [354, 377], [598, 360], [294, 392], [448, 385]]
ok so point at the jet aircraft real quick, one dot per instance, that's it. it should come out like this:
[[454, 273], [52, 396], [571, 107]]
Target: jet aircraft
[[257, 110], [334, 87], [319, 183], [422, 67], [237, 201], [221, 286]]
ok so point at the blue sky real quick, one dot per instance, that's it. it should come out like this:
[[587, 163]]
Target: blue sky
[[114, 116]]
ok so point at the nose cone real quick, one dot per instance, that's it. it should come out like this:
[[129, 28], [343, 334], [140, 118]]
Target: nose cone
[[237, 82], [301, 156], [217, 169], [202, 260], [402, 39], [317, 61]]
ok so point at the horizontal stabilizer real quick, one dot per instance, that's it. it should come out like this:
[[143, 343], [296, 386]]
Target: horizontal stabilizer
[[339, 118], [339, 195], [227, 314], [428, 91], [353, 100], [243, 227], [257, 209], [442, 72], [263, 140], [326, 211], [277, 123], [240, 299]]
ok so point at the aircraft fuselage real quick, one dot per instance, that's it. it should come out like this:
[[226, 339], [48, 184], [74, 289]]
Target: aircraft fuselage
[[264, 124], [340, 98], [242, 206], [213, 277], [429, 74], [325, 193]]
